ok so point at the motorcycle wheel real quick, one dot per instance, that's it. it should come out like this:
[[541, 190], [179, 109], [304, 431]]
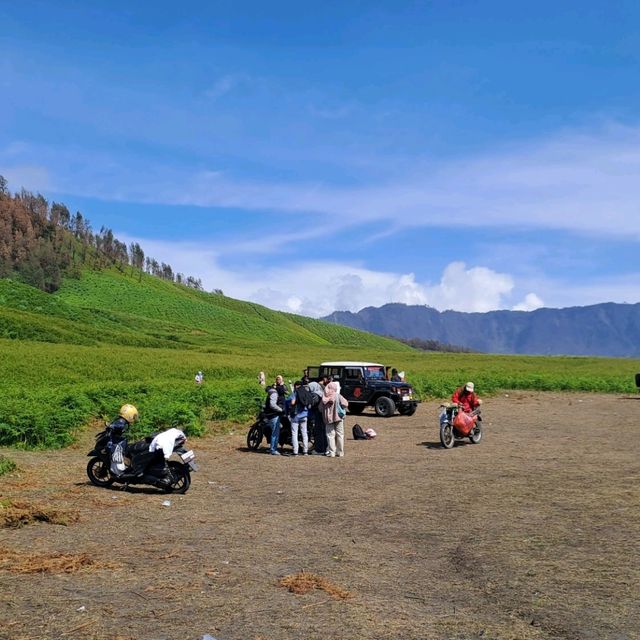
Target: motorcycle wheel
[[476, 434], [447, 437], [98, 472], [254, 437], [182, 478]]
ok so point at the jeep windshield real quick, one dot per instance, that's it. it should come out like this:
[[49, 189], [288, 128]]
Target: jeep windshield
[[374, 373]]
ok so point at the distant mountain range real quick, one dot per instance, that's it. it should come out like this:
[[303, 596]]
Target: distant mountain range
[[607, 329]]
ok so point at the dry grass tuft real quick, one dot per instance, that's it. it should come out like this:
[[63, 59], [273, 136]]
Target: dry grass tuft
[[50, 563], [303, 582], [14, 515]]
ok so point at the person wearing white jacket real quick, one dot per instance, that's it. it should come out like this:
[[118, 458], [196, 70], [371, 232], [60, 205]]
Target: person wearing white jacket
[[165, 442]]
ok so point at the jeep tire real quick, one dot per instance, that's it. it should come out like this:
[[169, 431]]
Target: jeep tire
[[385, 407]]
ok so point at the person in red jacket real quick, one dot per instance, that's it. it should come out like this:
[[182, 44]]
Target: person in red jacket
[[466, 397]]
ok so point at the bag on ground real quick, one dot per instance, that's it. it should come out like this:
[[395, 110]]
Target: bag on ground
[[358, 432], [370, 434]]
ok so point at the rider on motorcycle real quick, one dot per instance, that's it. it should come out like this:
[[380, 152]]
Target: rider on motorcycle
[[466, 398], [128, 415], [118, 443]]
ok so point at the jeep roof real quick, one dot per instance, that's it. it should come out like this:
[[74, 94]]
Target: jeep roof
[[350, 364]]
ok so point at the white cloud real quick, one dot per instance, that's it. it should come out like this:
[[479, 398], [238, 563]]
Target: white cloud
[[586, 184], [318, 288], [474, 289], [531, 301]]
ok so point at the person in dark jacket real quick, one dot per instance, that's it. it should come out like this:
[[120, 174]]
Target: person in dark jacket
[[315, 418], [281, 388], [273, 411]]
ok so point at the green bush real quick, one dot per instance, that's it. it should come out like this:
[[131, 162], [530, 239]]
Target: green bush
[[6, 465]]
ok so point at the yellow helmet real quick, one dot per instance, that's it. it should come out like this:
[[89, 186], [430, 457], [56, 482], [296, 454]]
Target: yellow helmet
[[129, 413]]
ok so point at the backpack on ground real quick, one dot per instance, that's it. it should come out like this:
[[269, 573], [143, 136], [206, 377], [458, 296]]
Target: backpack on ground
[[358, 432], [306, 397]]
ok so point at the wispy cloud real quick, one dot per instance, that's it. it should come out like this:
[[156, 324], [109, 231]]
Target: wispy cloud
[[582, 183], [578, 182], [319, 287]]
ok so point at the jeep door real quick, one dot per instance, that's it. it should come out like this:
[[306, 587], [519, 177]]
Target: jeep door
[[353, 385]]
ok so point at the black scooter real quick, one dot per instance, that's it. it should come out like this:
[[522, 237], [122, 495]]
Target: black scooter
[[260, 430], [109, 457]]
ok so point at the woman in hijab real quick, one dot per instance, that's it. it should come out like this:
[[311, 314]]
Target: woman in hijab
[[333, 411]]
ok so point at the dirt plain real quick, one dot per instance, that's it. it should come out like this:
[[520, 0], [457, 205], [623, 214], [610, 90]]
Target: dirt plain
[[532, 534]]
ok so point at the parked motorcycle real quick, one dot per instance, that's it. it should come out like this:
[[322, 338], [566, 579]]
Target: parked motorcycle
[[113, 461], [261, 429], [456, 425]]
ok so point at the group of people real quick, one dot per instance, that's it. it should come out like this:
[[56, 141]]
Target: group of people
[[309, 405]]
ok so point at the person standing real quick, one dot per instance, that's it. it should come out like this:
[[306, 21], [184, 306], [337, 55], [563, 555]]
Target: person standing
[[281, 388], [262, 380], [199, 378], [333, 411], [316, 420], [273, 411], [299, 414]]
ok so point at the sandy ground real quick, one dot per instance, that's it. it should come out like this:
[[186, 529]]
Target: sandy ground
[[532, 534]]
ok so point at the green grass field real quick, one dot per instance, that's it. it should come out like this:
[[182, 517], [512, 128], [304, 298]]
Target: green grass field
[[109, 338]]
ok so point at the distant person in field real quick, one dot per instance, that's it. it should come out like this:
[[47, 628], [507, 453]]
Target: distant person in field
[[273, 411], [199, 377], [334, 408], [466, 397], [262, 380]]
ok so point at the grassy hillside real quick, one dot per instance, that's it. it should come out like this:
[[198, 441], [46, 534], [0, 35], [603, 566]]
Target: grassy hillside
[[110, 338], [196, 318]]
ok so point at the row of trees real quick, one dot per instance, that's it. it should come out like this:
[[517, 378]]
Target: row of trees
[[40, 243], [432, 345]]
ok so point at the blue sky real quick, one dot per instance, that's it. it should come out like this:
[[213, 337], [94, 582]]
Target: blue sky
[[335, 155]]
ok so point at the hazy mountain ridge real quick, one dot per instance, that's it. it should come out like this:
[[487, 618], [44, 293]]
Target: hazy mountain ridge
[[607, 329]]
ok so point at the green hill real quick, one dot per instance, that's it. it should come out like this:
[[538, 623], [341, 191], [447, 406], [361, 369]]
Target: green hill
[[114, 336], [111, 307], [108, 337]]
